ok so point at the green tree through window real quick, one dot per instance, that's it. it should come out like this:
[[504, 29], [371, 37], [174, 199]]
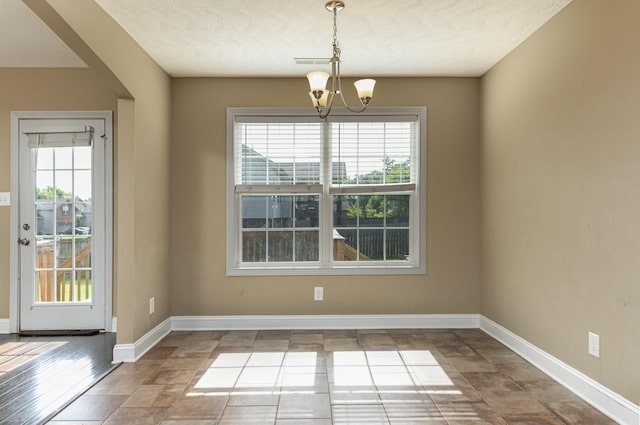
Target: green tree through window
[[377, 205], [49, 193]]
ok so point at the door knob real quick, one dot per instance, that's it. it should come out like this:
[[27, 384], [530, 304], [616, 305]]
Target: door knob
[[24, 241]]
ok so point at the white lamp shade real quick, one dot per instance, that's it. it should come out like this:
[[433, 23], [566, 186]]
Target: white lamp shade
[[318, 80], [365, 88]]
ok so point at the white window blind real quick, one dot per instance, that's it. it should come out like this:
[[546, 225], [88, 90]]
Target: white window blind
[[277, 153], [373, 153]]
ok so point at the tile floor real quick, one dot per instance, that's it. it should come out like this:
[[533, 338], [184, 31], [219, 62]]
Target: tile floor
[[395, 377]]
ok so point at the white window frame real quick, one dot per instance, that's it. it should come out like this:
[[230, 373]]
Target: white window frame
[[418, 214]]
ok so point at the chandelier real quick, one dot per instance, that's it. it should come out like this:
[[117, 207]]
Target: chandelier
[[322, 97]]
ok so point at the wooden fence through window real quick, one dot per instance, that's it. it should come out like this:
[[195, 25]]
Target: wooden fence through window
[[281, 246], [55, 284]]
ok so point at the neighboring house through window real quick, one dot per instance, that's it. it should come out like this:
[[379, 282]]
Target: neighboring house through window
[[345, 195]]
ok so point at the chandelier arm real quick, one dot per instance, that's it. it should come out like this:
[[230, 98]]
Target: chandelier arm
[[324, 113], [323, 116], [344, 102], [335, 85], [350, 109]]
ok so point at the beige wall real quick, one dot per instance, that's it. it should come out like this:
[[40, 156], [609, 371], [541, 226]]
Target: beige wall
[[141, 166], [561, 181], [199, 285], [38, 90]]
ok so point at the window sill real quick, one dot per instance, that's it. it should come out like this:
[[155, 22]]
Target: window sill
[[336, 270]]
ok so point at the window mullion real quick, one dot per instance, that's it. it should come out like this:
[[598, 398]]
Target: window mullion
[[326, 204], [384, 227]]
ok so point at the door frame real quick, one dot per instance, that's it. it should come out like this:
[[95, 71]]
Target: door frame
[[14, 266]]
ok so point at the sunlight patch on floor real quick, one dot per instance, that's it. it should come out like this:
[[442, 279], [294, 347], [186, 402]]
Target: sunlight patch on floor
[[16, 354]]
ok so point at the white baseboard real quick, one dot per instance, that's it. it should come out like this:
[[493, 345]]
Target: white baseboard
[[608, 402], [4, 326], [129, 353], [375, 321]]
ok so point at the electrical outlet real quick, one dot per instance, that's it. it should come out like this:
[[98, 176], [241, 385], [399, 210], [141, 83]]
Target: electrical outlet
[[152, 305], [594, 345], [318, 293], [5, 199]]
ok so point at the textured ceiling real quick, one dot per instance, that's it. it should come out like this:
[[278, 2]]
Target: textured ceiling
[[377, 37], [262, 37]]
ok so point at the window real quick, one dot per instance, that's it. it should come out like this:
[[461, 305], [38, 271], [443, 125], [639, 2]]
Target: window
[[341, 196]]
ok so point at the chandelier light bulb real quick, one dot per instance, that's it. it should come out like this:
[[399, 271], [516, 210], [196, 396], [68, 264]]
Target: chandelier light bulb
[[318, 80], [365, 89], [319, 99]]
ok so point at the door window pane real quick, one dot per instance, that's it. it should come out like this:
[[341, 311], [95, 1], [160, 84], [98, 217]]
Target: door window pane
[[45, 218], [82, 291], [64, 184], [44, 159], [82, 158], [82, 185], [45, 286], [63, 158], [83, 251], [44, 185], [64, 284], [64, 218]]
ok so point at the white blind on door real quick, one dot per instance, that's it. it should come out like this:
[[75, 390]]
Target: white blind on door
[[61, 139]]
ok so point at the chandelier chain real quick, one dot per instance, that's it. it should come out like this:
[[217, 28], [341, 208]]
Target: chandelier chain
[[336, 46]]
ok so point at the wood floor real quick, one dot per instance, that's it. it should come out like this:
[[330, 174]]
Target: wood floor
[[331, 377], [39, 376]]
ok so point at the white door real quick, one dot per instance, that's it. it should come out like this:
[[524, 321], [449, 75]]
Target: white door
[[62, 223]]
